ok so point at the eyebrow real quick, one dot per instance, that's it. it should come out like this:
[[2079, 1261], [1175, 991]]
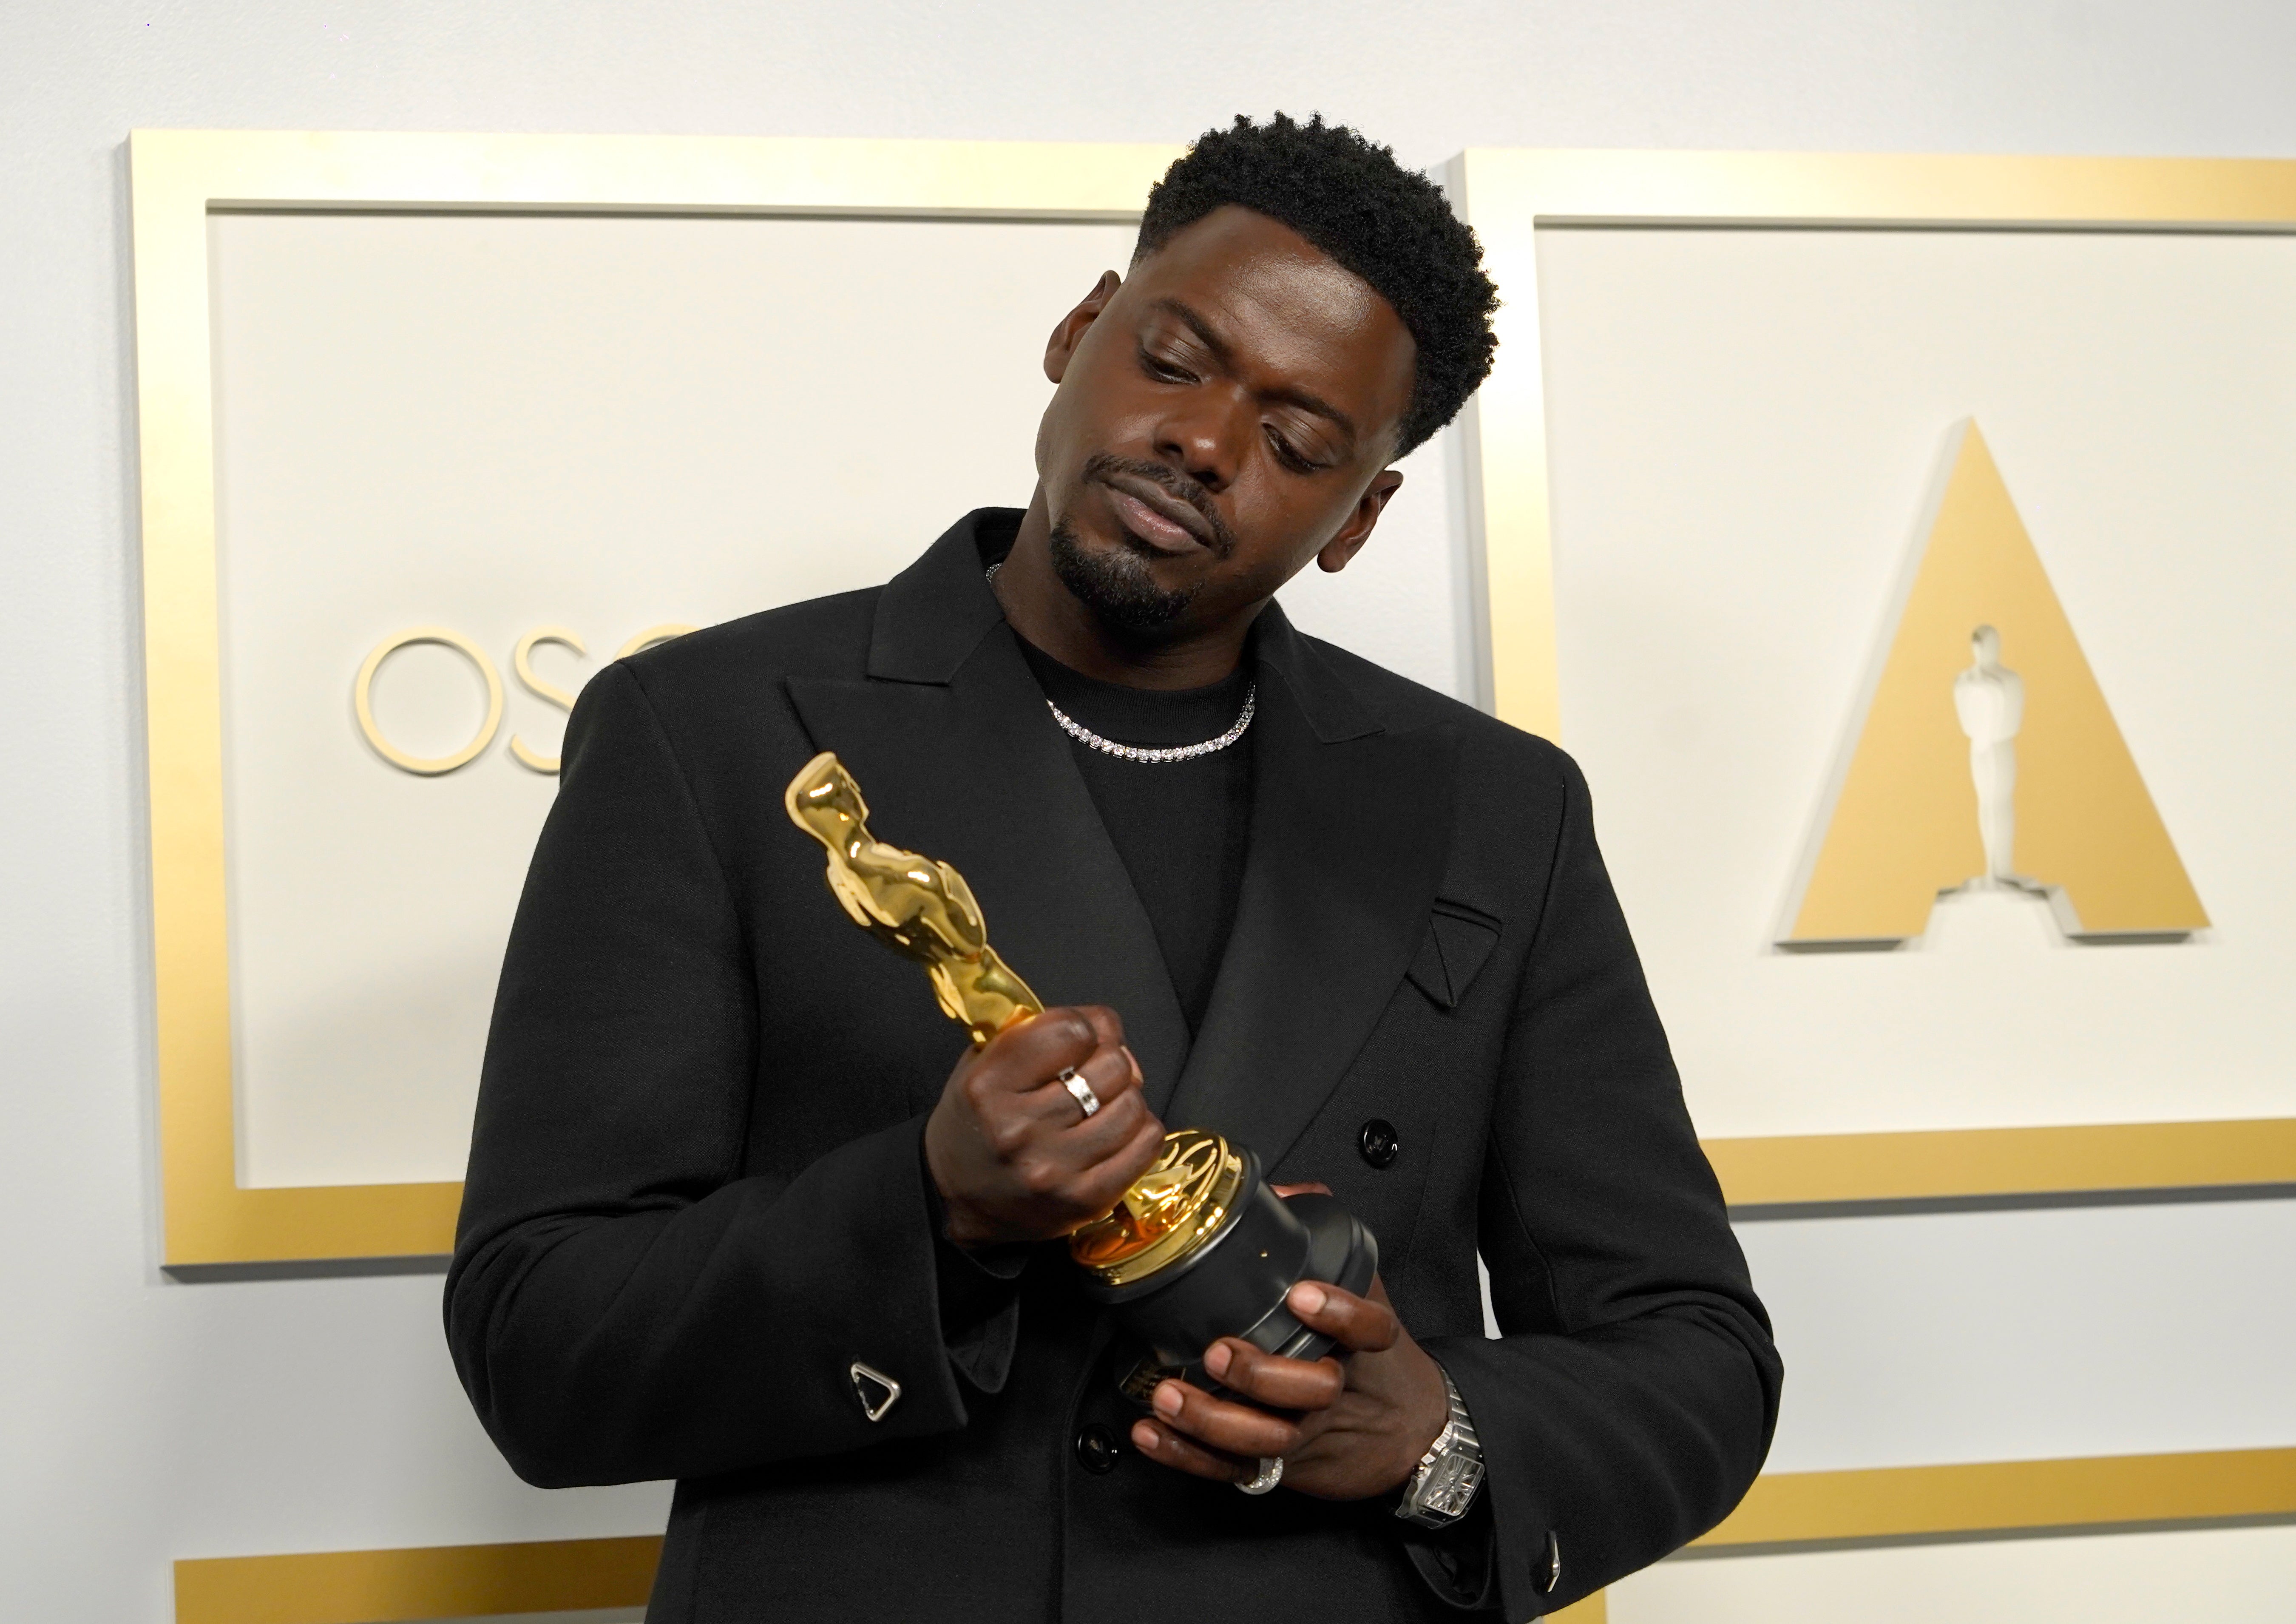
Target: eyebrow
[[1224, 353]]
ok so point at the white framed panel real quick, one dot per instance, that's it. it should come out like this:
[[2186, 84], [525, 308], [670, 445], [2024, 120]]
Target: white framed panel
[[448, 426], [2221, 1576], [494, 424], [1744, 430]]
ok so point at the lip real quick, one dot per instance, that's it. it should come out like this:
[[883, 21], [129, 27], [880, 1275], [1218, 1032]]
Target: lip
[[1156, 516]]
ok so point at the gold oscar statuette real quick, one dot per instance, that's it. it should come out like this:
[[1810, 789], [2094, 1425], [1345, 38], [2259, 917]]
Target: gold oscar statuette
[[1142, 1256], [923, 910]]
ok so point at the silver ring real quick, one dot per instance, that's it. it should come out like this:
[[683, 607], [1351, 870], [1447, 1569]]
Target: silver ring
[[1080, 1090], [1270, 1474]]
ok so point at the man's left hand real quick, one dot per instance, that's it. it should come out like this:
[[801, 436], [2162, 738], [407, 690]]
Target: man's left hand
[[1345, 1431]]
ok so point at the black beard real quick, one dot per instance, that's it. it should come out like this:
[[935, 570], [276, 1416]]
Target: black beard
[[1117, 587]]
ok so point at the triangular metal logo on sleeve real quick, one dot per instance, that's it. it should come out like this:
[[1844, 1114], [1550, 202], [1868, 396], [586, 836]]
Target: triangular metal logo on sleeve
[[877, 1391]]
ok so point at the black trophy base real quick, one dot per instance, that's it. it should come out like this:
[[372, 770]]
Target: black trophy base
[[1235, 1285]]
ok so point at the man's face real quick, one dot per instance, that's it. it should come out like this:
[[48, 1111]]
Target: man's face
[[1223, 416]]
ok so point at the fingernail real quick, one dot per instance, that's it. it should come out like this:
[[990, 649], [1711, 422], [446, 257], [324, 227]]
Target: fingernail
[[1144, 1438], [1308, 1298], [1217, 1358], [1168, 1398]]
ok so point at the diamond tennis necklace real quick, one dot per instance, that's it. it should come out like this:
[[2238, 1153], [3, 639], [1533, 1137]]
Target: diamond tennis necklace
[[1140, 752]]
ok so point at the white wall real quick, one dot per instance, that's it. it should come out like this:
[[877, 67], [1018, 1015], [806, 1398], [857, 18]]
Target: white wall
[[143, 1420]]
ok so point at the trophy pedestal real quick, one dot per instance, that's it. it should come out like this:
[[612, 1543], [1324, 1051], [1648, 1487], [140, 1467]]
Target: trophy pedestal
[[1235, 1282]]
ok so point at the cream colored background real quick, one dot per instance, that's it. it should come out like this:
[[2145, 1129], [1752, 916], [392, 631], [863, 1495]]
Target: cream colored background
[[1746, 426], [496, 422], [2224, 1576], [1902, 1351], [147, 1418]]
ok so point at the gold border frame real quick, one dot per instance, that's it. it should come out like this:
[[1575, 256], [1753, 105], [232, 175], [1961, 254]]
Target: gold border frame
[[1508, 194], [1914, 1504], [177, 179], [1978, 1164], [1923, 1504], [396, 1586]]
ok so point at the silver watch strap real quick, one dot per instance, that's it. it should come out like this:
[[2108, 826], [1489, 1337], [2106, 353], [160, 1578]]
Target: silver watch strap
[[1450, 1474]]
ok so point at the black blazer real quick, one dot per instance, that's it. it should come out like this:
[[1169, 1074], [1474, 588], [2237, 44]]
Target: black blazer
[[696, 1195]]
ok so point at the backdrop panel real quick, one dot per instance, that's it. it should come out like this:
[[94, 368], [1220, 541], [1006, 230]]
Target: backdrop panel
[[500, 425], [2224, 1576], [1748, 430], [431, 427], [1771, 439]]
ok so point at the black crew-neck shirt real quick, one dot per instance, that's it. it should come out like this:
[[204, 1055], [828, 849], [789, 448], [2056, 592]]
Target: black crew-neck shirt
[[1181, 827]]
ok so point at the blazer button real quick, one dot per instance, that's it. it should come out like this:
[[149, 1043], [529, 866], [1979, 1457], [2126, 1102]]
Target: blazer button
[[1378, 1143], [1096, 1449]]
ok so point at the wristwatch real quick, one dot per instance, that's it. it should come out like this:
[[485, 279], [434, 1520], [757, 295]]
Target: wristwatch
[[1449, 1473]]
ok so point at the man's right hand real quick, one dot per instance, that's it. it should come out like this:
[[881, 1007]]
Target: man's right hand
[[1013, 1155]]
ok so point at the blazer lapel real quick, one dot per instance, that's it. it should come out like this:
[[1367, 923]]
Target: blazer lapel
[[950, 740], [1350, 825]]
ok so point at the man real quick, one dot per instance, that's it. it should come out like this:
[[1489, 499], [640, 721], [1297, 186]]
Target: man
[[734, 1218]]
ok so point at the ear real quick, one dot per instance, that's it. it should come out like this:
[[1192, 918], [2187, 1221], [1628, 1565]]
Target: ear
[[1337, 552], [1061, 348]]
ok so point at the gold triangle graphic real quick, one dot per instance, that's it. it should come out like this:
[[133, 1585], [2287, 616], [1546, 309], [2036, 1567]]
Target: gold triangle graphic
[[1905, 825]]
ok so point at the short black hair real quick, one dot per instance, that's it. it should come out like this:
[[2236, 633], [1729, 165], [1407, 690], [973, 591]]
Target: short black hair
[[1390, 225]]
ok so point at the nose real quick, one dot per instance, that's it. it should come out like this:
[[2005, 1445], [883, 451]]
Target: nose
[[1202, 435]]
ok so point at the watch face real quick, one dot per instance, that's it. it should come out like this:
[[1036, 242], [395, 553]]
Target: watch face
[[1451, 1484]]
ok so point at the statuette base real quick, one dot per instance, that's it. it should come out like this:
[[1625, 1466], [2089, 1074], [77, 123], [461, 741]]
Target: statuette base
[[1235, 1283]]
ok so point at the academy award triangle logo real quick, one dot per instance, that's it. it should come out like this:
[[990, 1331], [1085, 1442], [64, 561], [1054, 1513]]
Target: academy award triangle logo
[[1986, 758]]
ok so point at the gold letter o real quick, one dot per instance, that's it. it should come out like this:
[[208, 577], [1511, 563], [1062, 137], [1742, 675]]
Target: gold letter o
[[431, 764]]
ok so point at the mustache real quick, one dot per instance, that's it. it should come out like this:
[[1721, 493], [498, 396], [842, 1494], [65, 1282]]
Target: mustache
[[1100, 465]]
